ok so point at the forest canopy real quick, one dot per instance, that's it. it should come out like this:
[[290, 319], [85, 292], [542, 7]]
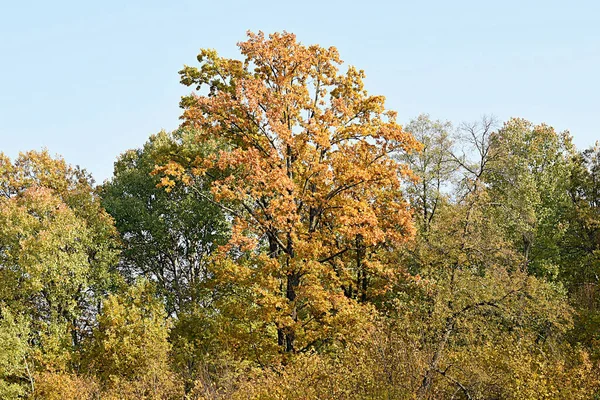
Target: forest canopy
[[293, 240]]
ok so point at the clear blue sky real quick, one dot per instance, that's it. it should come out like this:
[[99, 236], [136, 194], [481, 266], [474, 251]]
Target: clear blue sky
[[89, 80]]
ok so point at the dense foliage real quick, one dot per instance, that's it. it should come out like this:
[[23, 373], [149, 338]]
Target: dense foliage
[[292, 241]]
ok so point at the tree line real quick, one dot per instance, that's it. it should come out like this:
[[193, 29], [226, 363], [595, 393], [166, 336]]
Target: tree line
[[291, 240]]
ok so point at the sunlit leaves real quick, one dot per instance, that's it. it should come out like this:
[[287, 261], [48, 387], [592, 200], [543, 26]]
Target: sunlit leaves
[[305, 174]]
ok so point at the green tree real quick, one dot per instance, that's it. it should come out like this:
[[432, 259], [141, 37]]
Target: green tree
[[528, 179], [167, 236], [580, 246]]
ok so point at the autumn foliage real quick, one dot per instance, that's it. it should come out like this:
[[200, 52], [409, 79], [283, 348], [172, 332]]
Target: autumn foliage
[[292, 241], [308, 176]]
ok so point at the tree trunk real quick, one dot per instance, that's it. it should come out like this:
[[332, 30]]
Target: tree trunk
[[293, 281], [433, 365]]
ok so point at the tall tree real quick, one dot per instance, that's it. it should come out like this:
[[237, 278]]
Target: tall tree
[[169, 237], [308, 179]]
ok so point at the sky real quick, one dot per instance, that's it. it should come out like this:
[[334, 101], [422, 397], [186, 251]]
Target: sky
[[91, 79]]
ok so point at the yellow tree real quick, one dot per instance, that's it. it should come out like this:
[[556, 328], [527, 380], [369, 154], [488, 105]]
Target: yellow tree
[[308, 178], [129, 350], [57, 249]]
